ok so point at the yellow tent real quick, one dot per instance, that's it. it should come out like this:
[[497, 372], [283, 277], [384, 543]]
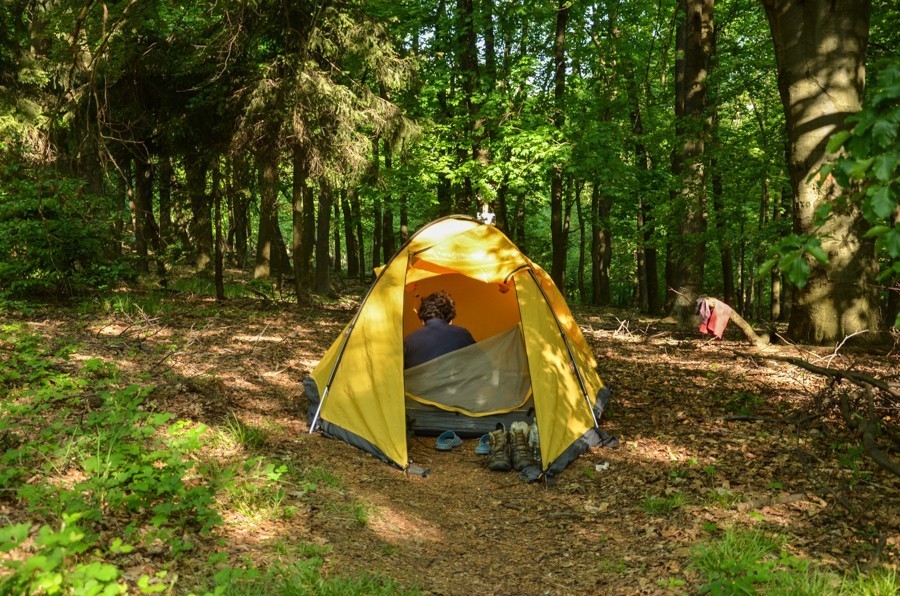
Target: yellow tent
[[357, 391]]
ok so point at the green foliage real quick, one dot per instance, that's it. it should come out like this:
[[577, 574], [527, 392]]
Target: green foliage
[[790, 255], [55, 238], [114, 463]]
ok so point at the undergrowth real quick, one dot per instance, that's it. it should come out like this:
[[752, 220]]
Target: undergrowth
[[96, 476]]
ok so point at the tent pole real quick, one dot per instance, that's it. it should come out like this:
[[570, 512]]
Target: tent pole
[[562, 333]]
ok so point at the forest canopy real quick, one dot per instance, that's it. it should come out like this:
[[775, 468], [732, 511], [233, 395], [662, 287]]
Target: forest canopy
[[644, 153]]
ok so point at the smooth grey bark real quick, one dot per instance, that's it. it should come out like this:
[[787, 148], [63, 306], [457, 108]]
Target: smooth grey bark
[[820, 51]]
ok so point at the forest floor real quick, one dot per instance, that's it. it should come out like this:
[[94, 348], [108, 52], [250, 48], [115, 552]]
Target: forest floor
[[712, 436]]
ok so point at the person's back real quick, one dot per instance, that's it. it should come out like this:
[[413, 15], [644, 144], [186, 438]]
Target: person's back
[[437, 336]]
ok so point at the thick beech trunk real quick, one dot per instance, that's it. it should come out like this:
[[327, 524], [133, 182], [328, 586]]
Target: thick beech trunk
[[820, 50], [690, 252]]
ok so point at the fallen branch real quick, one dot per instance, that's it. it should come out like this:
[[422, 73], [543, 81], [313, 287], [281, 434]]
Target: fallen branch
[[857, 378], [758, 340], [864, 426], [867, 428]]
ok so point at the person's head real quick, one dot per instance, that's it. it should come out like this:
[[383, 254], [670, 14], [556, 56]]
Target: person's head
[[437, 306]]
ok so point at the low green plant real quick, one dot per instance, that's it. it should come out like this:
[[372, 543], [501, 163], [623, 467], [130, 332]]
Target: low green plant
[[322, 476], [722, 497], [742, 403], [256, 489], [132, 306], [655, 505], [250, 437], [300, 577]]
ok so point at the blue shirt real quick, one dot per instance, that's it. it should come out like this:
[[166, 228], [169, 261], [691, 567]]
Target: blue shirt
[[435, 338]]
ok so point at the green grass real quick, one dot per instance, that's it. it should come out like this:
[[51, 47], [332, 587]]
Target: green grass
[[207, 287], [655, 505], [301, 578], [752, 561], [250, 437]]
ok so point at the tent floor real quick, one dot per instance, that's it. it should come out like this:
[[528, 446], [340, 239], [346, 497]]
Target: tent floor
[[431, 421]]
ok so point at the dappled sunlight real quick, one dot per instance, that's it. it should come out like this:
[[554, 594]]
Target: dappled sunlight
[[397, 526]]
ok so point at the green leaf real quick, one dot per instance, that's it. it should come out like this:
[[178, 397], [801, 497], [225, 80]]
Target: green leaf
[[883, 202], [766, 267], [12, 536], [822, 213], [860, 167], [102, 572], [884, 131], [816, 250], [884, 166], [876, 231], [891, 243], [837, 140], [798, 272]]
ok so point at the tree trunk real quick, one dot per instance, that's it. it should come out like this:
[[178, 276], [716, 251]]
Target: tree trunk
[[201, 220], [690, 255], [820, 51], [775, 278], [466, 40], [582, 228], [142, 207], [387, 226], [267, 162], [301, 268], [323, 227], [240, 201], [218, 266], [557, 233], [376, 207], [164, 176], [601, 245], [309, 234], [337, 233], [760, 251], [357, 219], [350, 239], [676, 155]]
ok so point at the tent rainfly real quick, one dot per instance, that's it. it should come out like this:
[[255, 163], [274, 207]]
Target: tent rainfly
[[534, 362]]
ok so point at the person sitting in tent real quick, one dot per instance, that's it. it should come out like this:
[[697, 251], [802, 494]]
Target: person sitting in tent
[[437, 336]]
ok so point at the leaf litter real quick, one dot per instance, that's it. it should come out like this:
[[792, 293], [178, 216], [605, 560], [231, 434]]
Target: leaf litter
[[704, 445]]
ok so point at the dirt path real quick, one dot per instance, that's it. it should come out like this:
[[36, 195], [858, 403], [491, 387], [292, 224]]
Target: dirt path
[[683, 472]]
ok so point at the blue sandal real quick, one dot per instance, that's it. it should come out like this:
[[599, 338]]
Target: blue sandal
[[447, 441], [484, 445]]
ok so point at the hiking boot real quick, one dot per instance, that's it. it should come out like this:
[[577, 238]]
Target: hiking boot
[[520, 450], [498, 460]]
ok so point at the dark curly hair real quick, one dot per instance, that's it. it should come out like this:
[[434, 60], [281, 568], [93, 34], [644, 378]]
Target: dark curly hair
[[438, 305]]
